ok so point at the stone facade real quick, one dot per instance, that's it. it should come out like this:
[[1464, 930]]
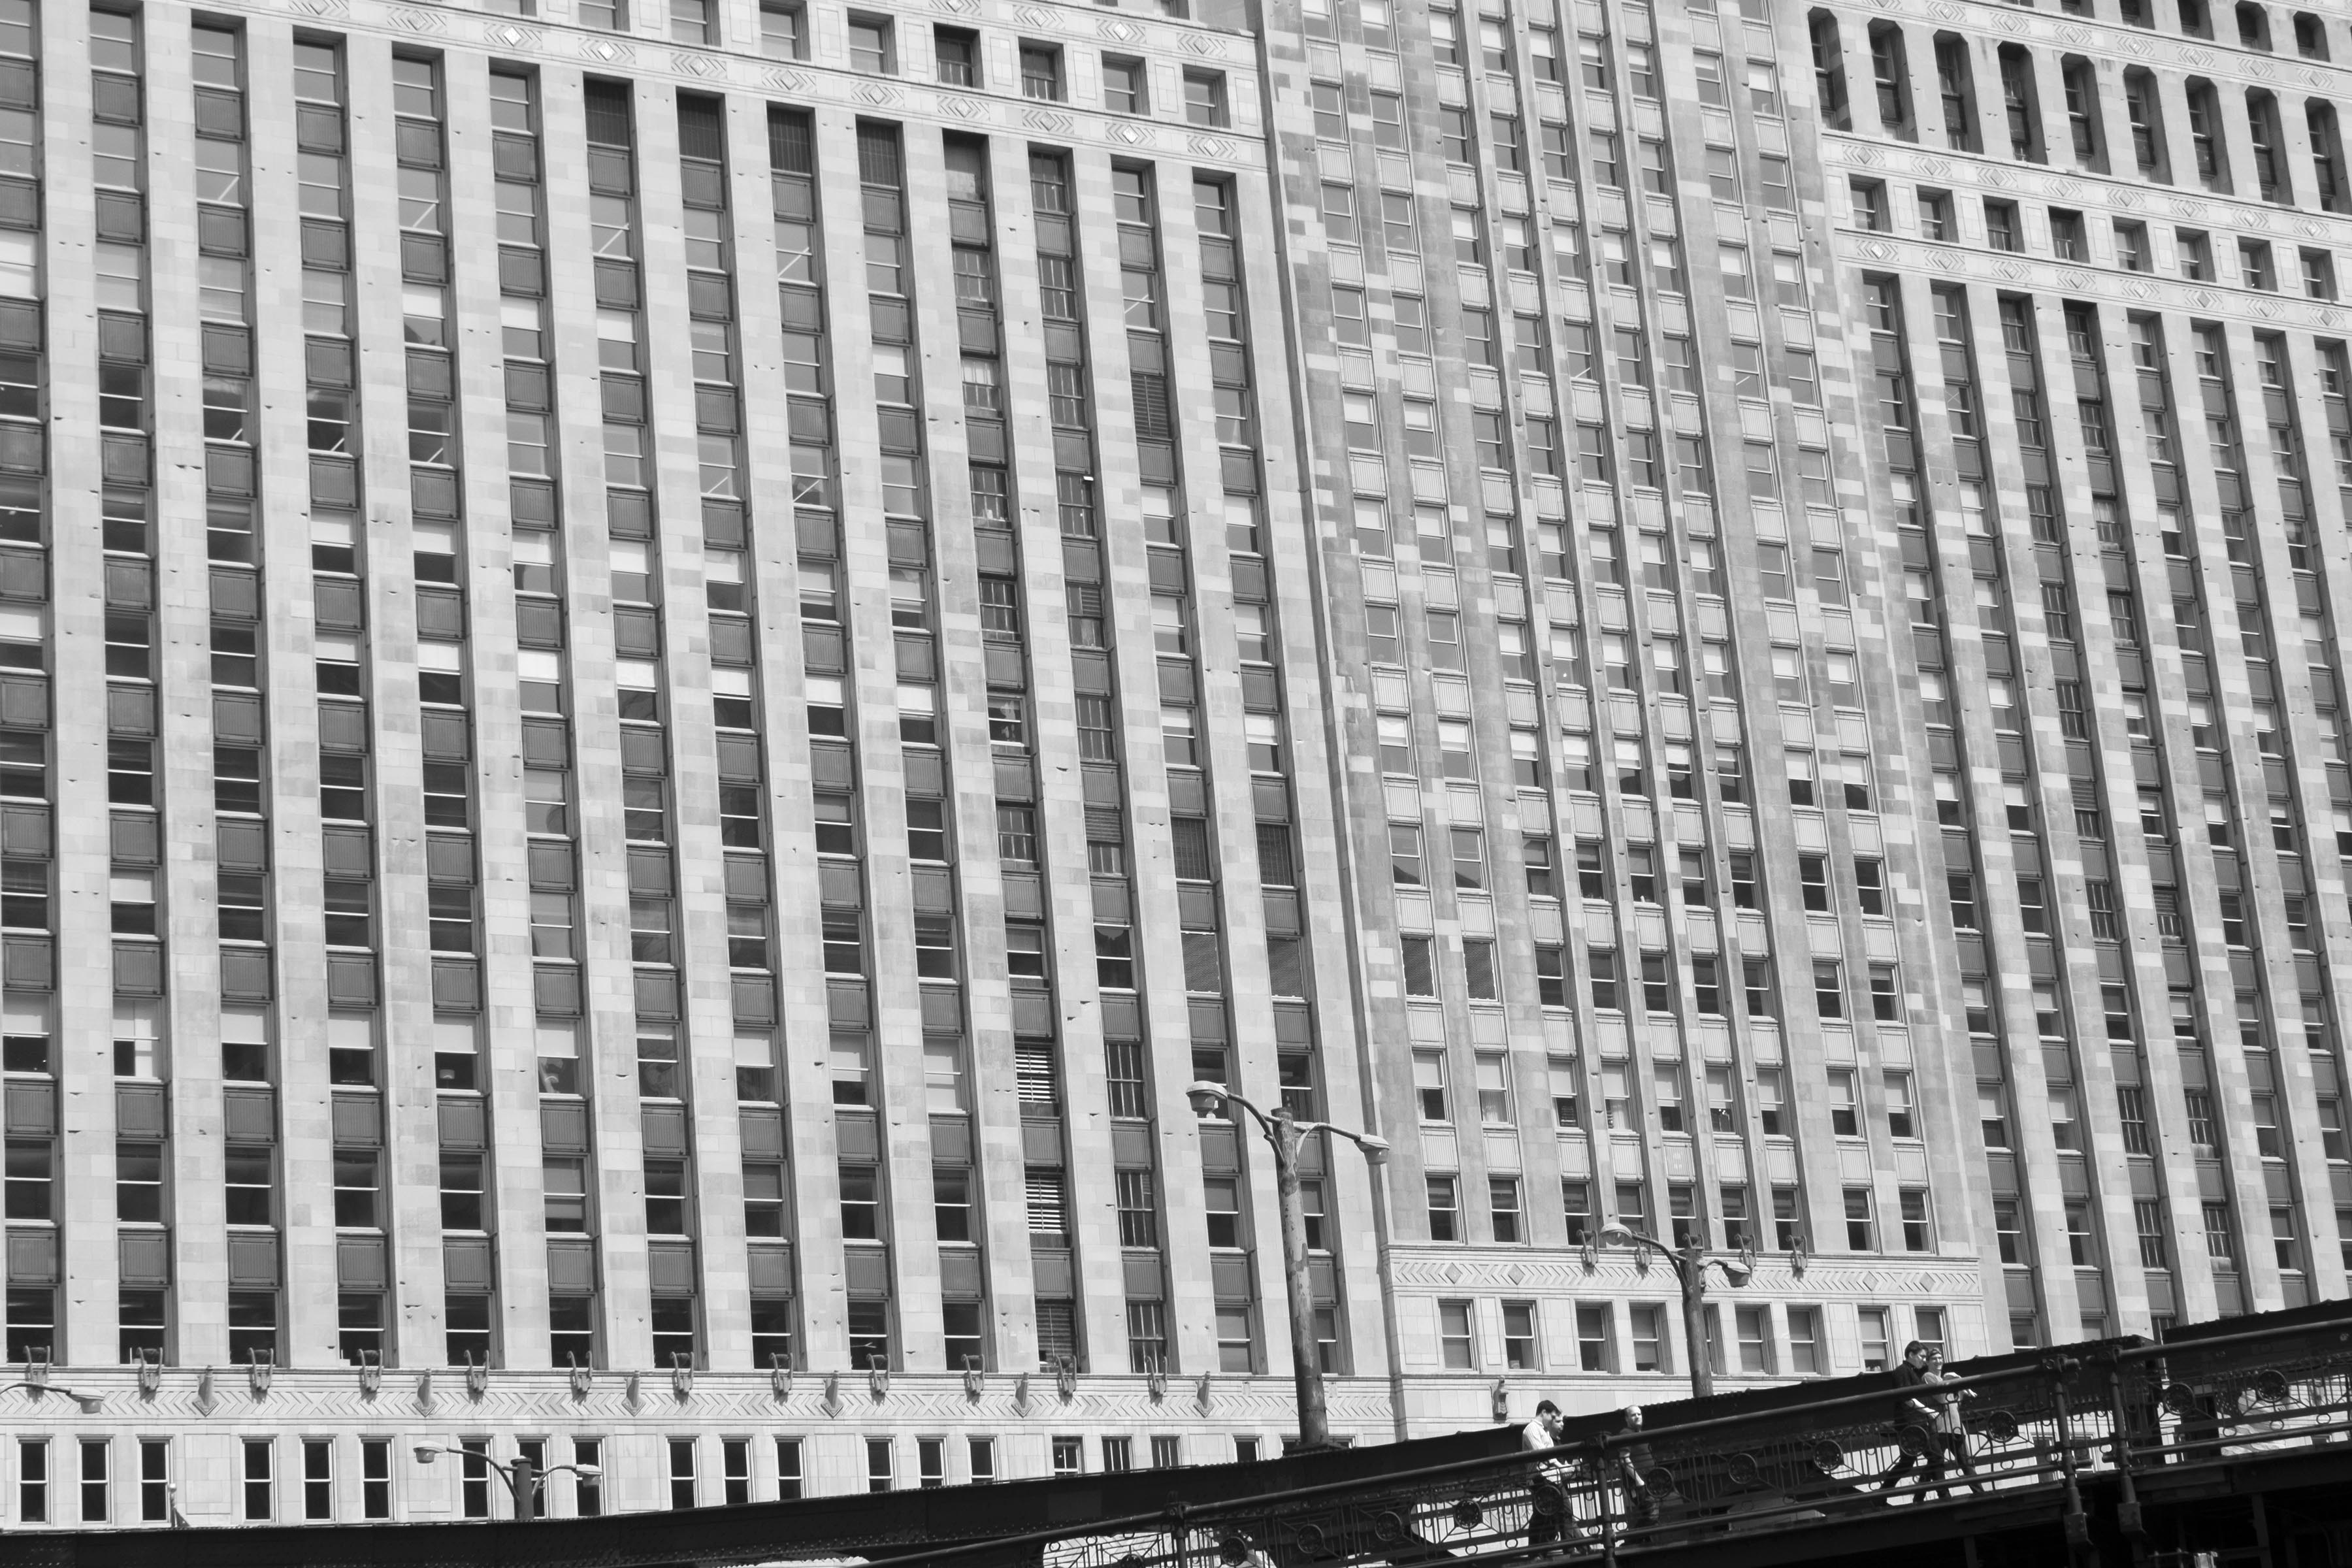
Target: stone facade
[[656, 909]]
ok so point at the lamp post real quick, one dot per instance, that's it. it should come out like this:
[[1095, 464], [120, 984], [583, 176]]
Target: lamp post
[[523, 1478], [89, 1402], [1285, 1134], [1690, 1265]]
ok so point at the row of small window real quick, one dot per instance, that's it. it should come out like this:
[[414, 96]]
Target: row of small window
[[1643, 1344], [2133, 251], [1687, 1224], [1434, 1096], [2203, 1128], [2196, 18], [1660, 990], [2217, 1224], [320, 1489]]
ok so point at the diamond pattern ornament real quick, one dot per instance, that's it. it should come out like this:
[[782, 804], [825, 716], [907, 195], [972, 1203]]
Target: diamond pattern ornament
[[787, 81], [413, 21], [695, 64], [507, 35], [607, 50]]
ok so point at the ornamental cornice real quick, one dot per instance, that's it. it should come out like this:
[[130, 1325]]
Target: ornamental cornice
[[193, 1399], [1614, 1273]]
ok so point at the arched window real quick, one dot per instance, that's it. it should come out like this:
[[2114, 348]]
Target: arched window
[[2142, 109], [2021, 104], [2083, 131], [2327, 156], [1955, 92], [1890, 75], [2263, 134], [2205, 135], [1829, 70]]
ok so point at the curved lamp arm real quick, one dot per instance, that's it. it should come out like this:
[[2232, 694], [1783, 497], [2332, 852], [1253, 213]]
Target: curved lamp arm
[[1209, 1098], [89, 1403], [426, 1452], [1736, 1271]]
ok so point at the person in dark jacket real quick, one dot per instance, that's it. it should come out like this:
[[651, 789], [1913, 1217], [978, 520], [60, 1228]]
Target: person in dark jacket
[[1916, 1412], [1633, 1472]]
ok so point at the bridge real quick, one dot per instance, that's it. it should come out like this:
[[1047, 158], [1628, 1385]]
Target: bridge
[[2226, 1446]]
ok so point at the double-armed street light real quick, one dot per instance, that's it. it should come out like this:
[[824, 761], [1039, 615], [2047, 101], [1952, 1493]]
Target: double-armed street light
[[1287, 1133], [524, 1479], [1690, 1265]]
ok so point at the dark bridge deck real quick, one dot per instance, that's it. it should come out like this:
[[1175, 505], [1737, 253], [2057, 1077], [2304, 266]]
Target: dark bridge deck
[[2230, 1445]]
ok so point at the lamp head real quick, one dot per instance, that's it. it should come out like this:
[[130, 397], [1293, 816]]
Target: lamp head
[[589, 1472], [1614, 1234], [1376, 1150], [1207, 1099], [1738, 1273], [90, 1403], [426, 1453]]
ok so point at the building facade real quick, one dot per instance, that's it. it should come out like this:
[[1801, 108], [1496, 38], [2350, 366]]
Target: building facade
[[805, 612]]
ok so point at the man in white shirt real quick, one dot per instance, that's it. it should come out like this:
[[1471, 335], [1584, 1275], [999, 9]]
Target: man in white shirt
[[1548, 1500]]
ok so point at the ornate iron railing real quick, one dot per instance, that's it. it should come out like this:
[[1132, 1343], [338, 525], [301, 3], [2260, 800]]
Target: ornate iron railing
[[2020, 1425]]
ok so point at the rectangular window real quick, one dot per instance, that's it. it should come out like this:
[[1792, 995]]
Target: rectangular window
[[1860, 1223], [1503, 1207], [33, 1481], [1521, 1352], [259, 1480], [94, 1475], [1805, 1341], [155, 1486], [788, 1469], [1872, 1321], [318, 1478], [1649, 1343], [376, 1478], [1457, 1347], [1041, 72], [1445, 1209], [1205, 97], [589, 1495]]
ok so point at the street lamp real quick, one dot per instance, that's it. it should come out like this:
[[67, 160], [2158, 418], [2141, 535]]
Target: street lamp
[[89, 1402], [1285, 1134], [1690, 1265], [524, 1479]]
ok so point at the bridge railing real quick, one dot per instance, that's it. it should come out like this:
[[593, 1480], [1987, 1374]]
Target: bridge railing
[[2043, 1422]]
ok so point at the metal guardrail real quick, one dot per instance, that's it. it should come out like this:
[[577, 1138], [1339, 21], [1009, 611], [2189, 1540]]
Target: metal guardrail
[[2038, 1427]]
